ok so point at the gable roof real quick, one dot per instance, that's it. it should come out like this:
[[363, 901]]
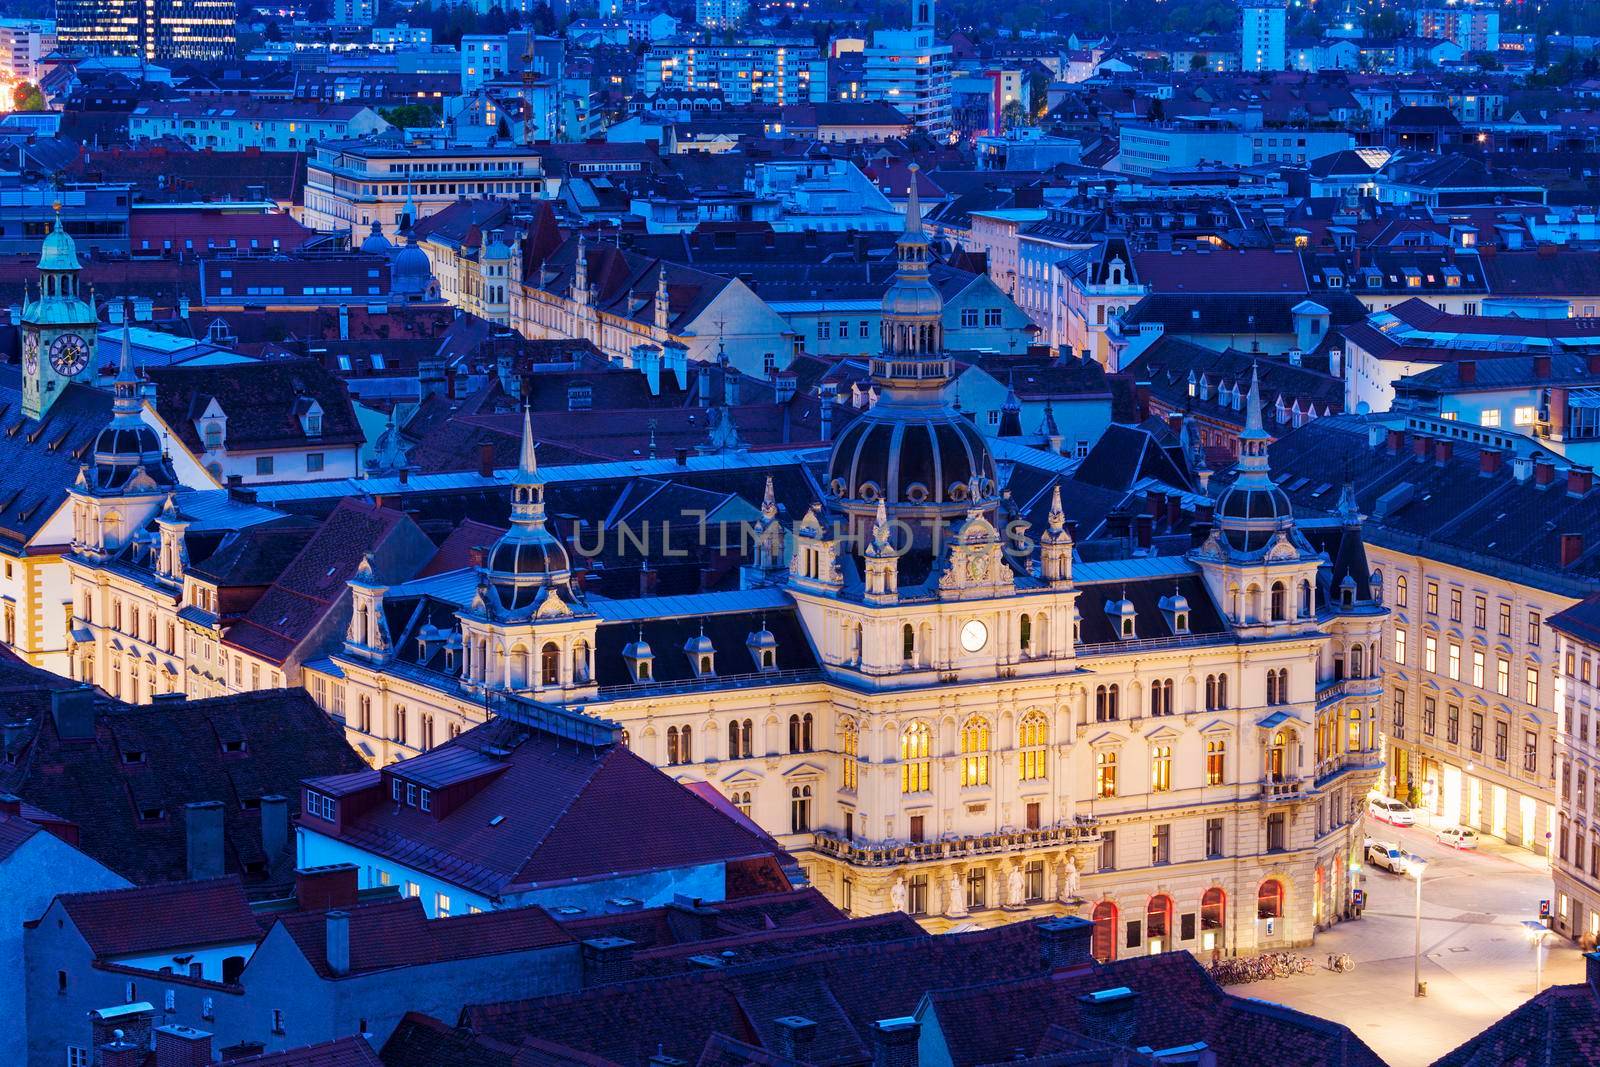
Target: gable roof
[[567, 811], [397, 933], [262, 400], [123, 922], [39, 458], [180, 760]]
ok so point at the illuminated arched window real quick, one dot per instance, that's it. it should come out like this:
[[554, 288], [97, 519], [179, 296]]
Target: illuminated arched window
[[1269, 900], [1161, 768], [974, 742], [1032, 738], [1105, 773], [915, 763], [849, 750]]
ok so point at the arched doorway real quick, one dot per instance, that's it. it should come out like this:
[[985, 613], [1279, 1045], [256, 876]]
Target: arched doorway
[[1158, 923], [1213, 919], [1104, 945]]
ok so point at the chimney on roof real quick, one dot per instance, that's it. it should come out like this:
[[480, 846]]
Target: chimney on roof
[[120, 1051], [1571, 548], [182, 1046], [1110, 1015], [1490, 461], [649, 580], [73, 712], [1443, 449], [202, 826], [1066, 942], [1467, 371], [1396, 441], [894, 1042], [1174, 510], [1541, 366], [1144, 531], [274, 826], [795, 1036], [477, 555], [338, 941], [1544, 472], [1521, 467], [682, 455], [332, 886], [1420, 445], [114, 1031], [486, 460], [1594, 362], [607, 960], [1579, 481]]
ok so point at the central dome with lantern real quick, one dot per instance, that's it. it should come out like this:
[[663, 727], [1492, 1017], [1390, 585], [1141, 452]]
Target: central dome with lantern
[[912, 452]]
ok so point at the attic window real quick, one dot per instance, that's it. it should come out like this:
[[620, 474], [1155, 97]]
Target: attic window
[[377, 361], [313, 424], [425, 800], [580, 397], [233, 746], [132, 755], [152, 814]]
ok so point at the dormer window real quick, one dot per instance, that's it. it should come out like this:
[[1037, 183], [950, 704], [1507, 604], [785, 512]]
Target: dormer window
[[702, 655], [213, 436], [763, 648], [1123, 617], [1176, 610], [640, 660]]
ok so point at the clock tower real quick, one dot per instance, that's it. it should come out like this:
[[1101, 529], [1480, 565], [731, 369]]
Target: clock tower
[[59, 328]]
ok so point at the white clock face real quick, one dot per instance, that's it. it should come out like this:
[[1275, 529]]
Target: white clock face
[[974, 635]]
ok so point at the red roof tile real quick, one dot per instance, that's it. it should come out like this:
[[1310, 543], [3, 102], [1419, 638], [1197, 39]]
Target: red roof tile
[[340, 1052], [119, 922]]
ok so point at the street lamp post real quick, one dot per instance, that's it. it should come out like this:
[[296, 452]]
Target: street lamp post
[[1415, 867], [1537, 932]]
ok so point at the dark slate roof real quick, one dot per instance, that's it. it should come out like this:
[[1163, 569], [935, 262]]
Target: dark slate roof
[[121, 922], [1238, 312], [423, 1041], [1582, 620], [1146, 595], [181, 761], [1126, 455], [570, 811], [397, 933], [1560, 1025], [1168, 365], [262, 401], [728, 632], [1500, 372], [1544, 272], [1450, 511], [39, 460]]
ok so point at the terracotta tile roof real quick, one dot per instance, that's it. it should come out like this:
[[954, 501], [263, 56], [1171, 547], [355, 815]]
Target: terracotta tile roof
[[422, 1041], [398, 933], [314, 583], [121, 922], [340, 1052], [455, 551], [261, 400], [179, 761], [570, 811]]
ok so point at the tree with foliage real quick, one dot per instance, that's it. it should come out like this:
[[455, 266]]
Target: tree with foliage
[[27, 97], [406, 115]]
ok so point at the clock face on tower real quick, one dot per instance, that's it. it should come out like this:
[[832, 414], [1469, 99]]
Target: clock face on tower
[[974, 635], [69, 354], [30, 353]]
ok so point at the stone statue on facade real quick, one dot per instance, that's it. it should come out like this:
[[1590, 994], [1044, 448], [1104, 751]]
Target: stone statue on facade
[[897, 895], [956, 902], [1069, 881], [1014, 888]]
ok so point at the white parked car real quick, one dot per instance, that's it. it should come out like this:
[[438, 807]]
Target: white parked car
[[1457, 837], [1390, 811], [1387, 855]]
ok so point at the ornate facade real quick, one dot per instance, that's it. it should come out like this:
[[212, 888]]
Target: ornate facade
[[937, 709]]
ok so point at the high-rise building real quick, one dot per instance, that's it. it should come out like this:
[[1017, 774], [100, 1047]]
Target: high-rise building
[[23, 42], [156, 30], [909, 70], [721, 14], [1475, 27], [355, 12], [1262, 44]]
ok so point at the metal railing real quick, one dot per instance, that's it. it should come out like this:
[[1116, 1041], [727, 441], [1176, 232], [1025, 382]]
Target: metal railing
[[714, 681], [896, 853]]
